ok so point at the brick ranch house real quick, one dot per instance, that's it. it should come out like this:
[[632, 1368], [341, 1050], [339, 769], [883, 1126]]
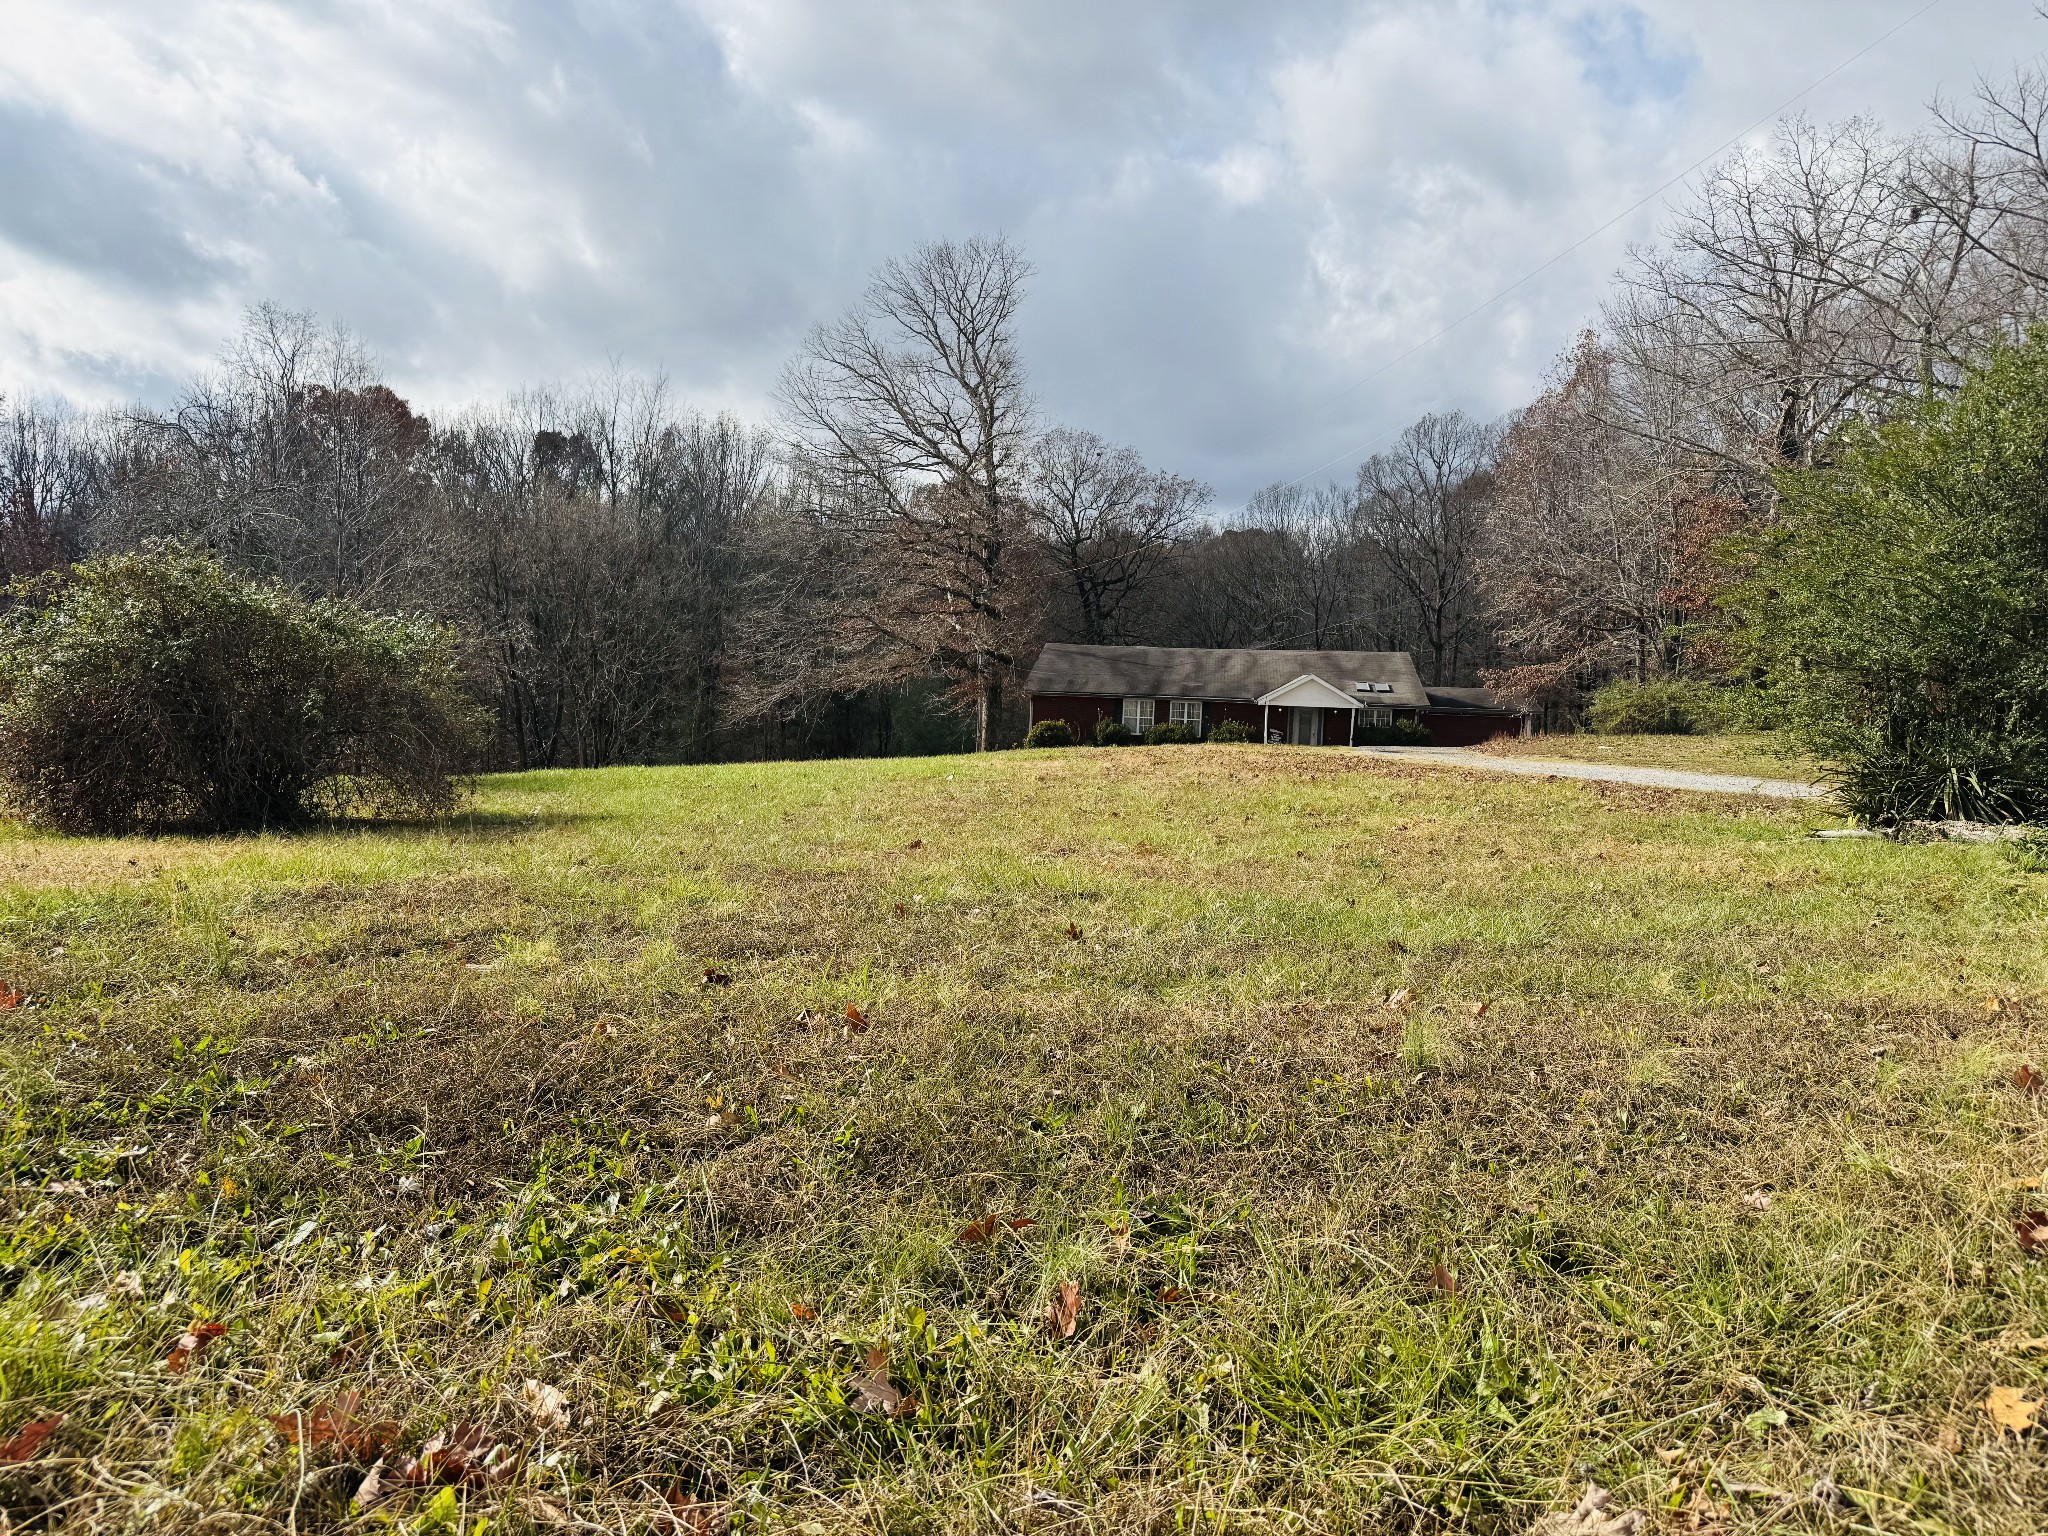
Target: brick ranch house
[[1309, 698]]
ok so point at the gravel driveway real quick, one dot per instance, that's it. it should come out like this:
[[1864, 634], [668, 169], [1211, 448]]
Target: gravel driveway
[[1605, 773]]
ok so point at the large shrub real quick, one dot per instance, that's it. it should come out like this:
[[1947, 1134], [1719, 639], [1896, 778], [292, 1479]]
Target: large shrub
[[1230, 731], [1664, 707], [1050, 733], [1169, 733], [1112, 732], [1404, 732], [1899, 610], [158, 691]]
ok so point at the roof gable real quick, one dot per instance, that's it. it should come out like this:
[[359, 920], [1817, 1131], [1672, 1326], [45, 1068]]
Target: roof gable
[[1310, 692]]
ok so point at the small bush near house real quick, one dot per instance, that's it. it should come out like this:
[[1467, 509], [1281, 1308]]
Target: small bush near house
[[1112, 733], [1050, 733], [1402, 733], [1899, 606], [1230, 732], [1169, 733], [1667, 707], [160, 691]]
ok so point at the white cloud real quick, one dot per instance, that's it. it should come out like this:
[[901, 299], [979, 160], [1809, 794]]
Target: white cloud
[[1238, 213]]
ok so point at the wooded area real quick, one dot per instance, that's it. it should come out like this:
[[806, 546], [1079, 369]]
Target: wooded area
[[874, 570]]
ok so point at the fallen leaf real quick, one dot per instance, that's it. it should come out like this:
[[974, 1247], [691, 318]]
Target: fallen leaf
[[1994, 1006], [2029, 1078], [855, 1019], [901, 910], [1444, 1280], [30, 1439], [1591, 1518], [1020, 1223], [802, 1313], [1758, 1199], [548, 1405], [371, 1488], [338, 1423], [717, 978], [9, 998], [1479, 1009], [2031, 1228], [1063, 1308], [915, 842], [874, 1392], [687, 1515], [979, 1231], [2022, 1346], [1947, 1441], [1074, 932], [1169, 1294], [2012, 1408], [1401, 998], [465, 1454], [193, 1343]]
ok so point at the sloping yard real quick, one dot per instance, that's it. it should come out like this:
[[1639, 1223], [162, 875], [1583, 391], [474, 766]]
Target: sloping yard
[[1175, 1139]]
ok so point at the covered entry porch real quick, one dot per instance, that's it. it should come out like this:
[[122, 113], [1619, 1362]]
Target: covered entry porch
[[1310, 712]]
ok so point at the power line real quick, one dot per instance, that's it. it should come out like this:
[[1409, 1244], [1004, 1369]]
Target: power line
[[1590, 235]]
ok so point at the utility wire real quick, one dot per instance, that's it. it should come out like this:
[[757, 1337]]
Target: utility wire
[[1593, 234]]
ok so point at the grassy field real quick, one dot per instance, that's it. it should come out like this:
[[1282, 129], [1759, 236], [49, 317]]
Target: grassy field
[[1368, 1147], [1743, 752]]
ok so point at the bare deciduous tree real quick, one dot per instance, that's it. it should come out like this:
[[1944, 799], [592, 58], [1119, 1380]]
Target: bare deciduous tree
[[1799, 289], [1580, 533], [1422, 511], [1109, 525], [914, 406]]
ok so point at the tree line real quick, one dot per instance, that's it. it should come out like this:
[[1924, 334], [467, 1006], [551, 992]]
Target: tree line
[[875, 568]]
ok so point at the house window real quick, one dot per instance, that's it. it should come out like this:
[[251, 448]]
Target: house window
[[1379, 719], [1137, 716], [1187, 712]]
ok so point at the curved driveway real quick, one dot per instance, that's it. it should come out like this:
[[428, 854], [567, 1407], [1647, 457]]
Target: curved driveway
[[1605, 773]]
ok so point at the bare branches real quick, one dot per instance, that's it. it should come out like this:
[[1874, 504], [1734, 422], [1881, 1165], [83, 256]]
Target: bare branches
[[1108, 524], [913, 414]]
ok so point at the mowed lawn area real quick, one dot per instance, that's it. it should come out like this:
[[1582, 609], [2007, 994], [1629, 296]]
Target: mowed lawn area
[[1370, 1146]]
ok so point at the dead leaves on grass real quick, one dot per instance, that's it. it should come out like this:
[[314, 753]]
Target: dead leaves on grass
[[193, 1343], [2029, 1078], [338, 1425], [988, 1226], [1591, 1517], [2013, 1408], [874, 1392], [2031, 1228], [9, 998], [29, 1439], [1063, 1309]]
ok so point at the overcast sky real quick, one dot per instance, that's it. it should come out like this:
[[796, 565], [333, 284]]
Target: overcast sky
[[1238, 209]]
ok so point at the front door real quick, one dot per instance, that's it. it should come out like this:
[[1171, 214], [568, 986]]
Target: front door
[[1305, 727]]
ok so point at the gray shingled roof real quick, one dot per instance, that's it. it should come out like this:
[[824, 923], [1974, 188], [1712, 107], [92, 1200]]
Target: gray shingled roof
[[1470, 701], [1169, 672]]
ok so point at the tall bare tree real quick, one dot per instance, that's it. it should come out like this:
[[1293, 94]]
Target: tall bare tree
[[1109, 524], [1422, 511], [1799, 289], [913, 407], [1582, 524]]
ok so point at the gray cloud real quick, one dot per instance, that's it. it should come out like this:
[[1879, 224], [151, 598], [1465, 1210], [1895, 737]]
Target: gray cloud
[[1237, 212]]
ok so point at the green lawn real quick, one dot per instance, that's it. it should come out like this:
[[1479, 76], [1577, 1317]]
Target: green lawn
[[1682, 1157]]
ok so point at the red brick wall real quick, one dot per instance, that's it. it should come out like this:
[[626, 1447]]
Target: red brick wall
[[1080, 712], [1451, 730]]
